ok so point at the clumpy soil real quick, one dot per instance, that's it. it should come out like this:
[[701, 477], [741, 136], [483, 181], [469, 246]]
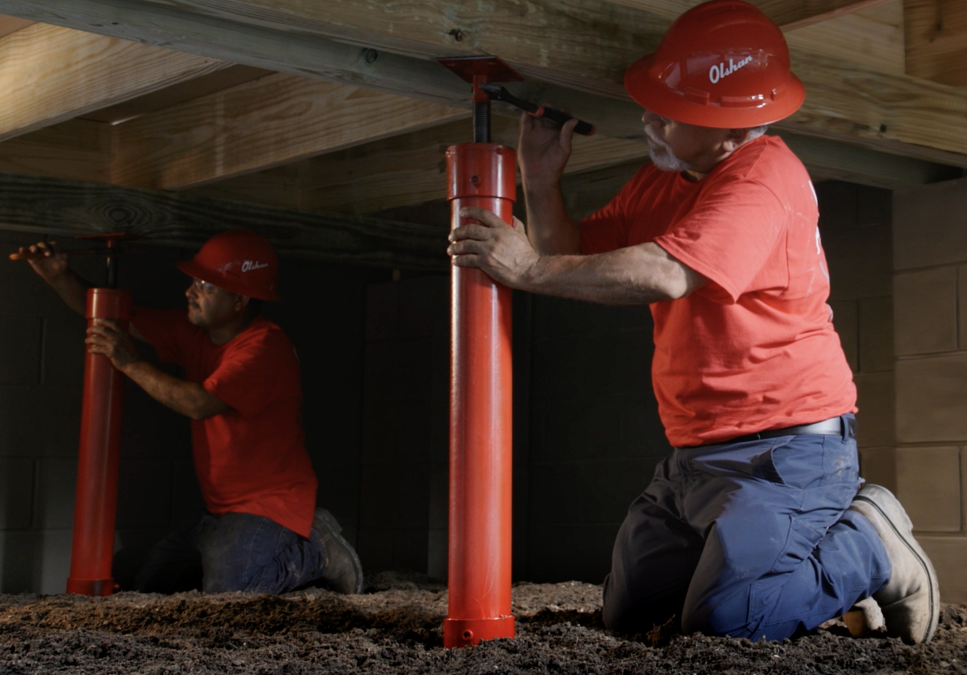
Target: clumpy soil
[[395, 627]]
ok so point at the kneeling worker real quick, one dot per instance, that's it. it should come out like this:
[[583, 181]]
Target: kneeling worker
[[260, 530], [752, 526]]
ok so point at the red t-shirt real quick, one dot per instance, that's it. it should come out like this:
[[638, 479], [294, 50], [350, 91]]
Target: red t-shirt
[[250, 458], [755, 348]]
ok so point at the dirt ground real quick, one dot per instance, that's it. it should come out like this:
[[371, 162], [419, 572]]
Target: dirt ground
[[395, 627]]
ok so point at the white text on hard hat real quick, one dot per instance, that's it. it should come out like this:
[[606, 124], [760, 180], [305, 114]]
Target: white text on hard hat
[[720, 70], [250, 265]]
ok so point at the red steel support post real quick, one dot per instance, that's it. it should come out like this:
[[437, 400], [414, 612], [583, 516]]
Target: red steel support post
[[480, 174], [99, 457]]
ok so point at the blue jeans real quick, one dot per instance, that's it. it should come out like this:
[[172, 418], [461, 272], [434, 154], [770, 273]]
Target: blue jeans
[[748, 539], [233, 552]]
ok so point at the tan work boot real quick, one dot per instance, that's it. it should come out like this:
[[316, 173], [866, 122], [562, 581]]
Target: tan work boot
[[910, 600], [344, 572]]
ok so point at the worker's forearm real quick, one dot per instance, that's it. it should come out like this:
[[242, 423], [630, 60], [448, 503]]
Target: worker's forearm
[[72, 290], [629, 276], [550, 230], [187, 398]]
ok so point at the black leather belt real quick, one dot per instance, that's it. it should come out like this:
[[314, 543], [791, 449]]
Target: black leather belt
[[831, 427]]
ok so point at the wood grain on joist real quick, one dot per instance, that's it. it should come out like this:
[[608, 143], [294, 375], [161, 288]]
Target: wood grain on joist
[[286, 35], [897, 113], [11, 24], [580, 41], [401, 171], [410, 169], [59, 207], [587, 44], [872, 38], [936, 40], [275, 120], [795, 14], [75, 150], [790, 14], [50, 74]]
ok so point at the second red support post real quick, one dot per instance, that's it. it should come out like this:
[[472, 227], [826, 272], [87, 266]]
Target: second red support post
[[99, 456]]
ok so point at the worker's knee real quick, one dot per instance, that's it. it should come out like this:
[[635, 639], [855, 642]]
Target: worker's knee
[[721, 619], [624, 613], [731, 615]]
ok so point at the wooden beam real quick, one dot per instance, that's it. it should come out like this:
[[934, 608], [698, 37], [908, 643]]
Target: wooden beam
[[872, 38], [829, 160], [587, 47], [50, 74], [59, 207], [178, 93], [281, 186], [411, 169], [404, 170], [11, 24], [936, 40], [276, 120], [75, 150], [795, 14], [790, 14], [298, 53], [893, 114]]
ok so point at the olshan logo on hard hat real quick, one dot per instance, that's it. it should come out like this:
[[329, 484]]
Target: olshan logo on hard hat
[[251, 265], [719, 70]]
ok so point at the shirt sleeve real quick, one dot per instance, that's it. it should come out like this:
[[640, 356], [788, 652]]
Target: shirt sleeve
[[255, 373], [730, 235], [167, 330], [607, 228]]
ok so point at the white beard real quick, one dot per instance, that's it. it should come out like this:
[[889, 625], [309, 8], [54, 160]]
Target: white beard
[[662, 156]]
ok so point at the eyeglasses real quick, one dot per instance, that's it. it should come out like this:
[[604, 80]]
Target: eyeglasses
[[203, 286]]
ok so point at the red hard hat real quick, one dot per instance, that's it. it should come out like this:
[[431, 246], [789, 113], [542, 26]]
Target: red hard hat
[[239, 261], [722, 64]]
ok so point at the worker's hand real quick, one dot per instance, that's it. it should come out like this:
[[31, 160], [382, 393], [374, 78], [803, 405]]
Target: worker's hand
[[107, 337], [49, 263], [487, 242], [543, 149]]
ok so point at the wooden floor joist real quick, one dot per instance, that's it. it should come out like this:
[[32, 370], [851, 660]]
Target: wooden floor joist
[[584, 49], [61, 207]]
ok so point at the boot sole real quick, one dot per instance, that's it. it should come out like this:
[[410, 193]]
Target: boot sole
[[921, 556]]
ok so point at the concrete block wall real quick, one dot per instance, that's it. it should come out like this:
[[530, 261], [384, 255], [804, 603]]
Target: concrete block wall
[[403, 487], [595, 436], [855, 224], [930, 306], [586, 435]]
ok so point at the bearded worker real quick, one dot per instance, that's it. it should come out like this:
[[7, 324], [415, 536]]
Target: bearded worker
[[260, 529], [755, 525]]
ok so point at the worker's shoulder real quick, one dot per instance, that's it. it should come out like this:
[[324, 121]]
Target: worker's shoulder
[[768, 161], [264, 333], [766, 153]]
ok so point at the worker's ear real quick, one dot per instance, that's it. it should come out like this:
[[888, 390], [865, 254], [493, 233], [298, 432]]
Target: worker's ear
[[241, 302], [735, 139]]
